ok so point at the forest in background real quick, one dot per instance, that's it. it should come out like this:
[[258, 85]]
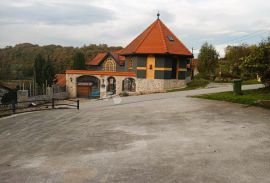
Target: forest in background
[[16, 62]]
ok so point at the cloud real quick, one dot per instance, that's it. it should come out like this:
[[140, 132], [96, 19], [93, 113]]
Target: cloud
[[53, 13], [78, 22]]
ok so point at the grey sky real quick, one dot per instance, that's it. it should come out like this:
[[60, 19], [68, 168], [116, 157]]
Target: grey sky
[[117, 22]]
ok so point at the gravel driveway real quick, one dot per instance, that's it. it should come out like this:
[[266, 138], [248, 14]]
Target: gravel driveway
[[159, 138]]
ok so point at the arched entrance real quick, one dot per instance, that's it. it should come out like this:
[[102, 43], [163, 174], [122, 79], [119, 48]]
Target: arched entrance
[[88, 87], [111, 88]]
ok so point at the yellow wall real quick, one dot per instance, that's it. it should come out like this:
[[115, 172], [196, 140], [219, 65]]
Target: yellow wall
[[150, 67]]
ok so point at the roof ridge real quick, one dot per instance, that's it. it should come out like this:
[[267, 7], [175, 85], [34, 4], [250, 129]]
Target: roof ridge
[[149, 31], [162, 36], [176, 37]]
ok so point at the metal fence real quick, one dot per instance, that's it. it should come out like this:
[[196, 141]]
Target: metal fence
[[38, 105]]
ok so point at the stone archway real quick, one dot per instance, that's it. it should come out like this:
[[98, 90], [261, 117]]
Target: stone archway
[[111, 87], [88, 87], [129, 85]]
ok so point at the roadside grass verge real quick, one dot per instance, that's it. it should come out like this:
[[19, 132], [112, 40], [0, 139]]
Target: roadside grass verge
[[244, 82], [249, 97], [194, 84], [251, 82]]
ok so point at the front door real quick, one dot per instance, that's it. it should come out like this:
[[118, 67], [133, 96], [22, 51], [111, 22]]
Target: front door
[[83, 91], [150, 70]]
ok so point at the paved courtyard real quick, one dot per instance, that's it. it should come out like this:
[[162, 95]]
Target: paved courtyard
[[158, 138]]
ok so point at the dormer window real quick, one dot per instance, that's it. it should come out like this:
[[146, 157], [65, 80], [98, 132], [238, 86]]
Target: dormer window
[[170, 38], [109, 65]]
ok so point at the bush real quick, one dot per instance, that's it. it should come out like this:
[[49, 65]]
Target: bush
[[124, 94], [201, 76], [197, 83]]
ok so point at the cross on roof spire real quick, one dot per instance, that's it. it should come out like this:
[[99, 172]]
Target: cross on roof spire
[[158, 14]]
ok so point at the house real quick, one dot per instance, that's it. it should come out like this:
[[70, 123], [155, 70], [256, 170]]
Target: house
[[154, 61]]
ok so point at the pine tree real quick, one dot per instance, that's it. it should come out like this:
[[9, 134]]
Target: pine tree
[[49, 72], [39, 69], [78, 61]]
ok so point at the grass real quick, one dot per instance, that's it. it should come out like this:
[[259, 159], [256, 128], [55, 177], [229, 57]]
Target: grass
[[244, 82], [250, 82], [249, 97], [194, 84]]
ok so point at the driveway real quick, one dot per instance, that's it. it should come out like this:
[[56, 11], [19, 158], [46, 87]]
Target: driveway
[[159, 138]]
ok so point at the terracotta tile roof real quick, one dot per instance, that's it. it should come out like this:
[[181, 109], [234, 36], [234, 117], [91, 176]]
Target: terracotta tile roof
[[97, 59], [101, 56], [108, 73], [156, 40], [60, 80], [118, 57]]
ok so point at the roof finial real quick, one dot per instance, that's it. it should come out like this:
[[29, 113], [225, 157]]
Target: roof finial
[[158, 14]]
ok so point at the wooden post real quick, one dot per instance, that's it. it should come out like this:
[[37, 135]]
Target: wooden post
[[30, 89], [78, 104], [13, 106], [52, 103]]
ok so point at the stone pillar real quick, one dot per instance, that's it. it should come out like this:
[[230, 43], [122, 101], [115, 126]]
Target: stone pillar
[[22, 95], [118, 83], [103, 86], [71, 85]]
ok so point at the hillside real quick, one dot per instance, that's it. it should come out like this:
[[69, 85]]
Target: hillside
[[17, 62]]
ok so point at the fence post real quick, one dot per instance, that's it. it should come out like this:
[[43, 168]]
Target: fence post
[[52, 103], [13, 106], [78, 104]]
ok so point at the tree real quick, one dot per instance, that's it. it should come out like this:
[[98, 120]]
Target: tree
[[44, 71], [258, 62], [208, 60], [49, 72], [234, 55], [39, 66], [78, 61]]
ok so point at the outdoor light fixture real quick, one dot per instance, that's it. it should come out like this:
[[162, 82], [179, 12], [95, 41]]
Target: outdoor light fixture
[[151, 67], [70, 79]]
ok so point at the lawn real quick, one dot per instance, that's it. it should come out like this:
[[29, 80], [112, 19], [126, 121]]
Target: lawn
[[250, 82], [249, 97]]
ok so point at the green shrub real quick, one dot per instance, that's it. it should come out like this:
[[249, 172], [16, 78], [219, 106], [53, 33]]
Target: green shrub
[[124, 94], [197, 83]]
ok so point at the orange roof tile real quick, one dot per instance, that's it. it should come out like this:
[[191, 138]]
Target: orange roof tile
[[60, 80], [97, 59], [101, 56], [155, 40]]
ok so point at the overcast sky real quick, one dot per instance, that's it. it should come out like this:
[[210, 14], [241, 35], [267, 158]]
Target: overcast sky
[[117, 22]]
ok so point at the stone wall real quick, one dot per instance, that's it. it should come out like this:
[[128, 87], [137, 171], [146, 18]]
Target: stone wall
[[142, 85], [158, 85], [60, 96], [22, 96], [149, 85], [174, 83], [71, 84]]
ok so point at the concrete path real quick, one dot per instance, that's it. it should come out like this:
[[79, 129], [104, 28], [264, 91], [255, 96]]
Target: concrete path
[[155, 138]]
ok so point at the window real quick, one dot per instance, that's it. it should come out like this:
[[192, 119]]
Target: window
[[129, 85], [109, 65], [170, 38], [130, 64]]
